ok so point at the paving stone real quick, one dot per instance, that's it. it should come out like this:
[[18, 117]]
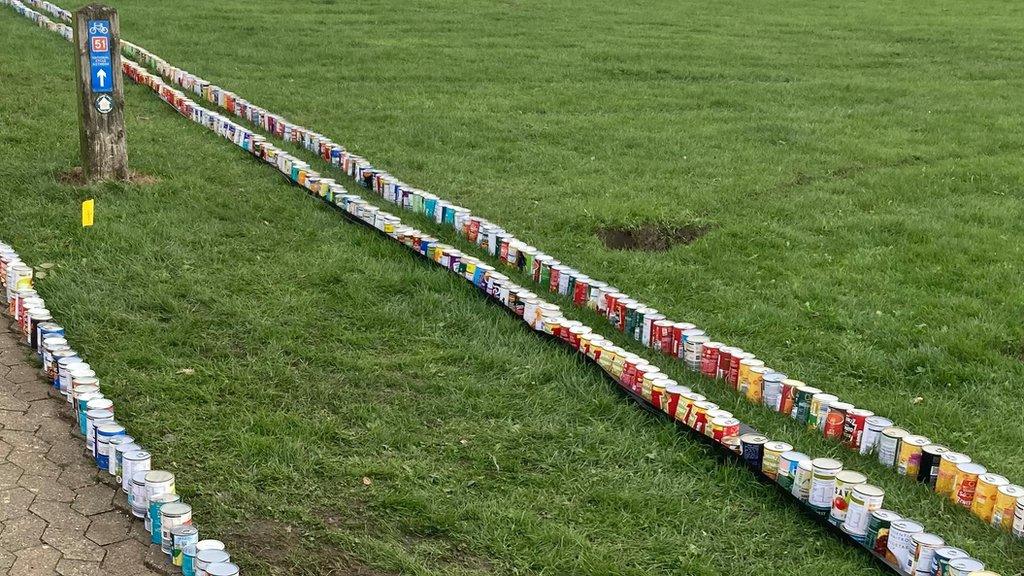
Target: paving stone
[[76, 476], [22, 532], [94, 499], [59, 514], [46, 489], [26, 441], [39, 401], [10, 356], [58, 431], [5, 449], [23, 372], [11, 420], [14, 503], [34, 463], [9, 402], [72, 543], [65, 453], [68, 567], [39, 561], [125, 558], [6, 560], [108, 528], [9, 475]]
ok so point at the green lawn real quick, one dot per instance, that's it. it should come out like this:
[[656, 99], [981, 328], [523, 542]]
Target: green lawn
[[860, 165]]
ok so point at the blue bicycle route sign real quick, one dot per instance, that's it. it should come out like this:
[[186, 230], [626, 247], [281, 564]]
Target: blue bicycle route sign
[[101, 71]]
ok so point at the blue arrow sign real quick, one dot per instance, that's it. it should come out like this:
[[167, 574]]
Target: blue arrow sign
[[101, 71]]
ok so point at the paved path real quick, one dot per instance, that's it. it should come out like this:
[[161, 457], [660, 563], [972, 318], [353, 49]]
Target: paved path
[[58, 514]]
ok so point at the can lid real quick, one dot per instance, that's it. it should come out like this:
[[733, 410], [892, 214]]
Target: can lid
[[222, 569], [851, 477], [951, 553], [776, 446], [775, 377], [809, 390], [1012, 490], [753, 439], [894, 432], [125, 449], [752, 362], [968, 564], [862, 412], [110, 429], [887, 515], [793, 456], [956, 457], [844, 406], [175, 509], [907, 525], [185, 530], [211, 555], [824, 397], [935, 449], [869, 490], [917, 441], [137, 455], [158, 476], [165, 498], [209, 544], [994, 479], [139, 477], [971, 468], [826, 464], [929, 539]]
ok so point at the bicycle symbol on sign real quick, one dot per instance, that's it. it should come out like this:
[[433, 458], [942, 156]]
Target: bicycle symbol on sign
[[98, 28]]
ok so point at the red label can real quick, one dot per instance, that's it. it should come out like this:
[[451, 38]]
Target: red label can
[[725, 360], [835, 420], [555, 274], [853, 430], [709, 358], [788, 395], [661, 336], [733, 376], [581, 292]]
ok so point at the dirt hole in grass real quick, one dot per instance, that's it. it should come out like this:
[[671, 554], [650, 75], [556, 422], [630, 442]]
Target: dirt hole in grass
[[76, 177], [651, 237]]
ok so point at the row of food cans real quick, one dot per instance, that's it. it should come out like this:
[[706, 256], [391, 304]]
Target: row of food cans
[[151, 494], [858, 428], [641, 378]]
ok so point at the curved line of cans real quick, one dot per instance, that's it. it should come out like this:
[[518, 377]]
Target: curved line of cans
[[991, 497], [842, 495]]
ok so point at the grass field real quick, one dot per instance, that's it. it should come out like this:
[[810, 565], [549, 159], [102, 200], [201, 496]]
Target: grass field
[[859, 164]]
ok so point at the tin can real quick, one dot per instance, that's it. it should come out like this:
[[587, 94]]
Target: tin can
[[965, 483], [688, 400], [709, 358], [879, 524], [771, 390], [947, 471], [673, 393], [711, 416], [733, 377], [182, 537], [823, 484], [104, 434], [154, 504], [964, 566], [682, 332], [133, 463], [725, 360], [985, 495], [788, 463], [743, 377], [120, 449], [661, 336], [1018, 519], [853, 427], [755, 384], [732, 443], [172, 516], [137, 496], [95, 418], [1006, 501], [942, 557], [188, 563], [699, 415], [724, 427], [802, 480], [222, 569], [773, 452], [752, 449], [873, 427], [889, 445], [864, 499], [931, 456], [835, 420], [693, 348], [204, 558], [787, 395], [47, 331], [901, 544], [818, 412], [925, 546], [908, 462], [658, 385], [802, 403], [846, 481]]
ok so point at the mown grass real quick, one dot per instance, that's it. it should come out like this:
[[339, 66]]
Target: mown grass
[[322, 355]]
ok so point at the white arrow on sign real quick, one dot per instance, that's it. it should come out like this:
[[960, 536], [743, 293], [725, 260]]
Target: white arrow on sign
[[102, 76]]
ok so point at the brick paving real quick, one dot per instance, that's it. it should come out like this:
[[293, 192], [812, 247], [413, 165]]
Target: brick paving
[[58, 513]]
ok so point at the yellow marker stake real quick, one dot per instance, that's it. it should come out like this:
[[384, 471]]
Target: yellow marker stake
[[87, 212]]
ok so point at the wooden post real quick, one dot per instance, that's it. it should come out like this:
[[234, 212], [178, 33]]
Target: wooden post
[[100, 100]]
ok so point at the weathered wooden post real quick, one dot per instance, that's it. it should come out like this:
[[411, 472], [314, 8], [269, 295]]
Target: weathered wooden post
[[100, 100]]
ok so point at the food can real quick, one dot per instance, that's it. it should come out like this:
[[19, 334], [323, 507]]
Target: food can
[[1006, 501], [985, 495], [1018, 519], [770, 458], [964, 566], [818, 411], [743, 377], [673, 392], [137, 497], [104, 434], [771, 390], [133, 463], [188, 563], [787, 396], [908, 463], [661, 336], [172, 516], [709, 357], [823, 484], [802, 480], [965, 483], [84, 395], [879, 524], [158, 482], [699, 415], [947, 471], [925, 546], [57, 357], [693, 348], [120, 449], [752, 449], [682, 332], [942, 557], [788, 463], [901, 546], [93, 419], [853, 427], [802, 403], [222, 569], [725, 360], [931, 456], [864, 499], [155, 504], [182, 537], [755, 383], [724, 427], [62, 380], [889, 445], [204, 558], [688, 400], [835, 420], [732, 378], [846, 481]]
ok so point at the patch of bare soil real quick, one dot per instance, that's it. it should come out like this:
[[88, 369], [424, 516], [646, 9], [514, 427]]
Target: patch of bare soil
[[651, 237]]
